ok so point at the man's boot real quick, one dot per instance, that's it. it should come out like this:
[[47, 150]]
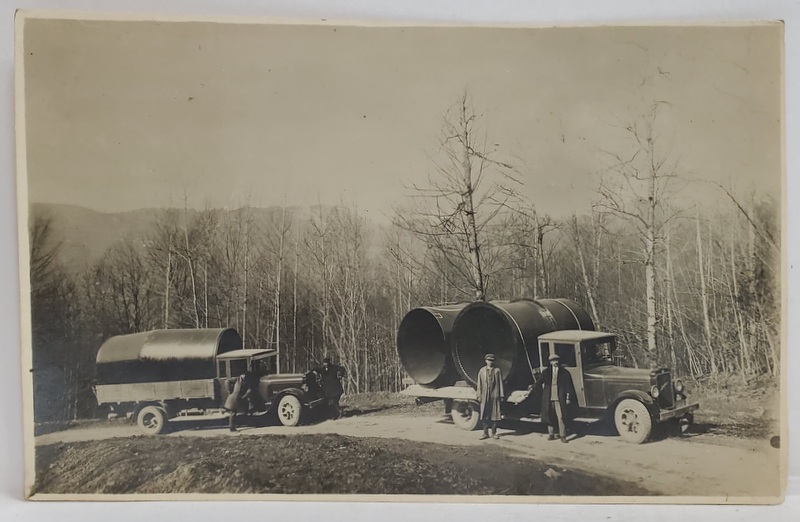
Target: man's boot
[[232, 422], [485, 434], [494, 433]]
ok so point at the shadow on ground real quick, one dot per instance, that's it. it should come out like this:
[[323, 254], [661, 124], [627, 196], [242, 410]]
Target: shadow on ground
[[601, 428]]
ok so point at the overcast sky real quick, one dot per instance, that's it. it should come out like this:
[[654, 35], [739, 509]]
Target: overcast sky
[[124, 115]]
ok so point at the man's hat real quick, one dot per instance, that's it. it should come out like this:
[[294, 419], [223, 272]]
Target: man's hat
[[554, 357], [489, 357]]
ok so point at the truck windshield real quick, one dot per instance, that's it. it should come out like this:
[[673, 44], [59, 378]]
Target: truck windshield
[[262, 366], [597, 352]]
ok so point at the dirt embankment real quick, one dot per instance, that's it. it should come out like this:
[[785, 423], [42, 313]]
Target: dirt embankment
[[304, 464]]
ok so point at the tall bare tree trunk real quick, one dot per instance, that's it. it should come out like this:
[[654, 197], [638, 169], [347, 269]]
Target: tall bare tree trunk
[[469, 207], [670, 293], [205, 291], [246, 276], [166, 287], [543, 290], [190, 262], [294, 297], [650, 271], [704, 300], [278, 280], [586, 283], [597, 226]]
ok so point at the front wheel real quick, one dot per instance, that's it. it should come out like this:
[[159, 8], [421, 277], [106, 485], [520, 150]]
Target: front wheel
[[152, 420], [289, 410], [466, 414], [633, 421]]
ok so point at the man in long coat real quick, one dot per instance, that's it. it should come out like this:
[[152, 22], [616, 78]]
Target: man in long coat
[[332, 375], [558, 398], [490, 393]]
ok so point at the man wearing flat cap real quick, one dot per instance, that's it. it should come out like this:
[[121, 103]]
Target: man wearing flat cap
[[490, 392], [558, 397], [332, 375]]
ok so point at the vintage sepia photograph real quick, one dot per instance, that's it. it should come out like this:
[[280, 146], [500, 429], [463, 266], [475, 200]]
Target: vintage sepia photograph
[[328, 260]]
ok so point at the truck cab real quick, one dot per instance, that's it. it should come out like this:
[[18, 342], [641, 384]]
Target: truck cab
[[287, 394], [635, 398]]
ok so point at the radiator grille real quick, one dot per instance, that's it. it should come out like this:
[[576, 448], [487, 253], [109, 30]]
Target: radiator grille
[[666, 395]]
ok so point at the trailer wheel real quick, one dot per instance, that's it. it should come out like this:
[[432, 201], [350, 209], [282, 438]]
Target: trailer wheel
[[466, 414], [152, 420], [289, 410], [633, 421]]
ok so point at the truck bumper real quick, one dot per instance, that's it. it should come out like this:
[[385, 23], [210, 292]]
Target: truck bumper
[[679, 411]]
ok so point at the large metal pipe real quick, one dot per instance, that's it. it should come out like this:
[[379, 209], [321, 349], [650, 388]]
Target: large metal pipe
[[509, 329], [424, 344]]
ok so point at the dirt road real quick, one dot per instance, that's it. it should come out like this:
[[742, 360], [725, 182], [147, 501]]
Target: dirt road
[[699, 465]]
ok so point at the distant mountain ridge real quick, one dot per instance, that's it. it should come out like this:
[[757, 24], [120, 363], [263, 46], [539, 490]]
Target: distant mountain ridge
[[86, 234]]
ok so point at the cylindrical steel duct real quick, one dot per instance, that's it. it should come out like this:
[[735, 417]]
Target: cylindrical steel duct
[[424, 344], [509, 329]]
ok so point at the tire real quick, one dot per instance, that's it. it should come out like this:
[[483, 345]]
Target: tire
[[152, 420], [685, 423], [466, 414], [289, 410], [633, 421]]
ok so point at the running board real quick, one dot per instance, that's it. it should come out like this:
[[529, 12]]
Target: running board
[[538, 420]]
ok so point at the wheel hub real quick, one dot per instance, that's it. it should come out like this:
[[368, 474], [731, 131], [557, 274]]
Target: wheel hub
[[630, 420]]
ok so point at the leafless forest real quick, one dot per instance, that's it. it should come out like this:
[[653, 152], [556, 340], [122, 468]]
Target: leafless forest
[[689, 285]]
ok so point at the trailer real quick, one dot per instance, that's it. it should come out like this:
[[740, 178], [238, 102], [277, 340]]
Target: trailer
[[522, 334]]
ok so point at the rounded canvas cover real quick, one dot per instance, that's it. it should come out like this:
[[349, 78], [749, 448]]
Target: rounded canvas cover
[[164, 355]]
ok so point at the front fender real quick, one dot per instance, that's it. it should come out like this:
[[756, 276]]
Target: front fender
[[643, 397], [305, 398]]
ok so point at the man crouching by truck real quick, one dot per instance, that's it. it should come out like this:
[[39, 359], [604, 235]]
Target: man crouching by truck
[[237, 401]]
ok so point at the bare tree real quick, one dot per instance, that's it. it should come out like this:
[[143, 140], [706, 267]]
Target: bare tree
[[466, 192], [634, 188]]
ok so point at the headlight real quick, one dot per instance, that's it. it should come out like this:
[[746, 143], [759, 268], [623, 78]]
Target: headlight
[[654, 392], [679, 386]]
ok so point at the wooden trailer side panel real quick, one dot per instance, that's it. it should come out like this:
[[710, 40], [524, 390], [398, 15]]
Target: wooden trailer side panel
[[155, 391]]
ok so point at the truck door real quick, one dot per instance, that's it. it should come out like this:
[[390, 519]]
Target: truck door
[[593, 381], [223, 372], [569, 357]]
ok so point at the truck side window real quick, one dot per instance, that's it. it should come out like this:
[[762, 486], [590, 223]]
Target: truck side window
[[238, 367], [566, 353], [221, 369]]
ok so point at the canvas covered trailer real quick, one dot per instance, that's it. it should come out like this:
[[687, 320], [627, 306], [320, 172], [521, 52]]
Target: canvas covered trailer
[[162, 364]]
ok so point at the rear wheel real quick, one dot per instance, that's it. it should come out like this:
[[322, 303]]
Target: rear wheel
[[152, 420], [289, 410], [633, 421], [466, 414]]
